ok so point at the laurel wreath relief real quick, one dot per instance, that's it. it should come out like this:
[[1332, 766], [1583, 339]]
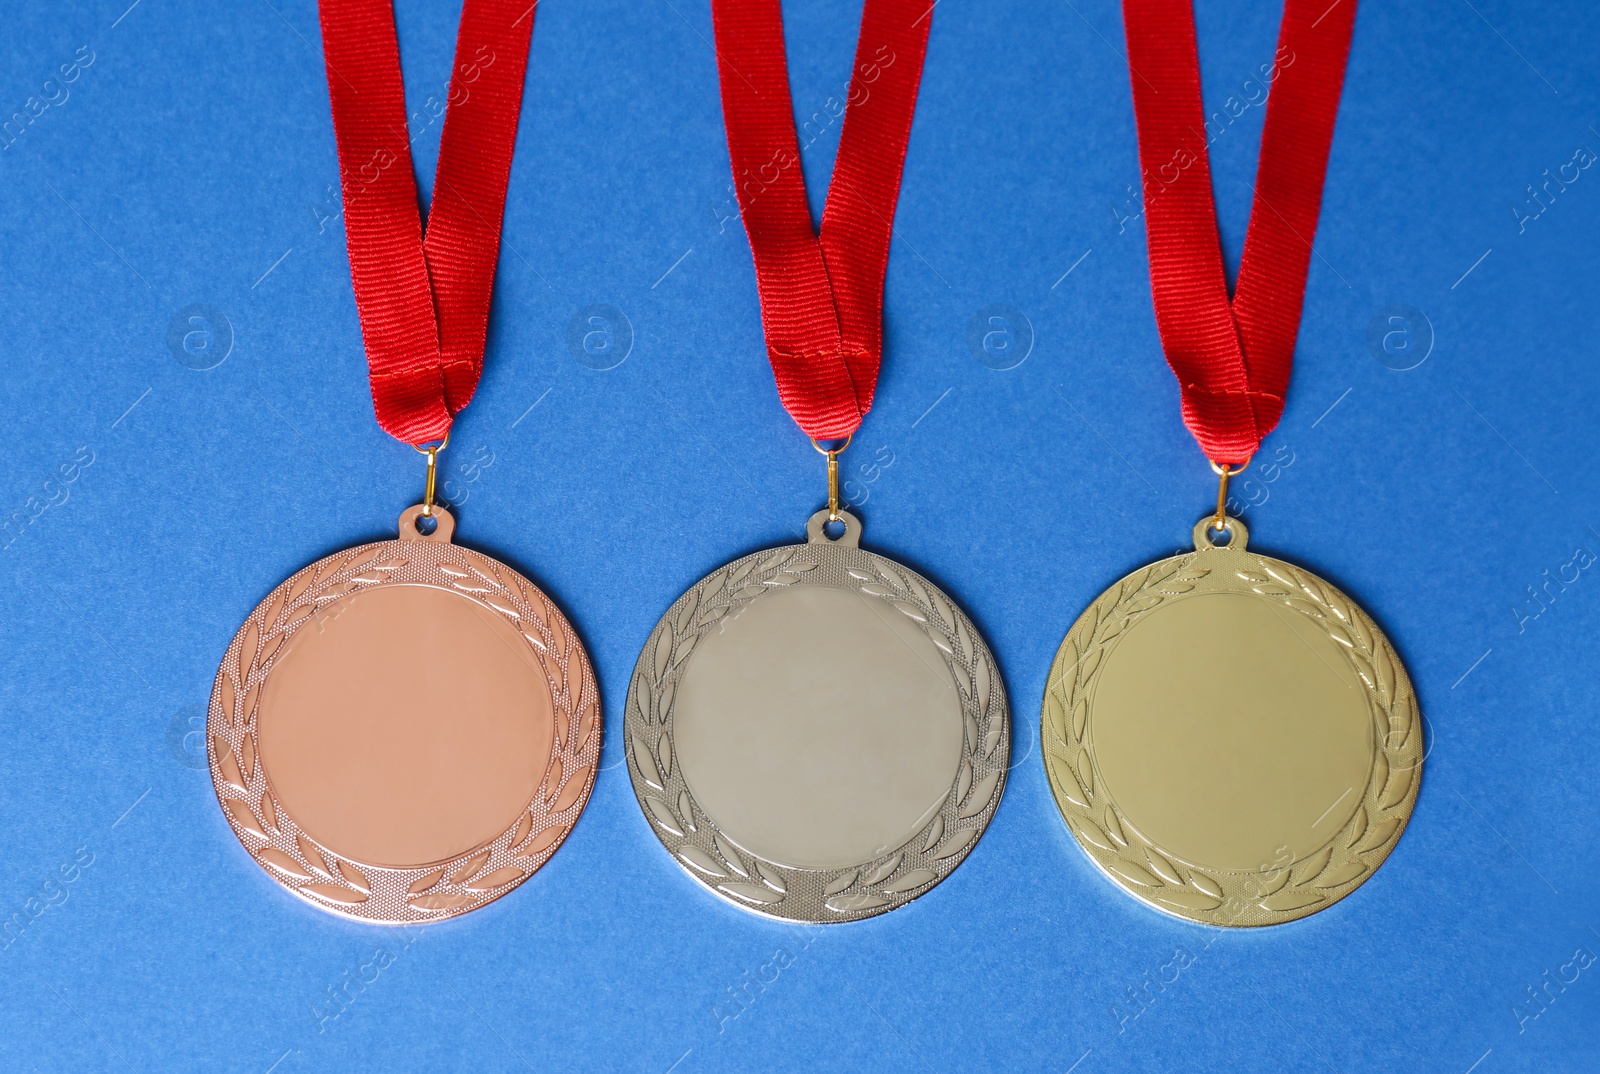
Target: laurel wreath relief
[[805, 894], [290, 855], [1279, 891]]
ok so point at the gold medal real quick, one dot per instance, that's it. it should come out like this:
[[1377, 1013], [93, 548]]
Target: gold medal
[[1230, 737]]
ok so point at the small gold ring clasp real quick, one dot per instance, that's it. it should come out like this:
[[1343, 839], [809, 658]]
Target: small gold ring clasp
[[833, 474], [1220, 522], [432, 452]]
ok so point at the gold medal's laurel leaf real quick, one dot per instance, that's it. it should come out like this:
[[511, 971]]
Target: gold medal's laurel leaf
[[1340, 875], [1273, 883], [1380, 835], [1358, 827], [1205, 884], [1255, 577], [1055, 714], [1133, 874], [1113, 827], [1086, 772], [1162, 867], [1313, 868], [1184, 899], [1291, 900], [1068, 783], [1364, 670], [1090, 833], [1395, 792], [1282, 575]]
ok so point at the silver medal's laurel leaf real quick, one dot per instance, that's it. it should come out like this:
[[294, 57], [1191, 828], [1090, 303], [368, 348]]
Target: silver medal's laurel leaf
[[771, 888], [396, 895], [1270, 895]]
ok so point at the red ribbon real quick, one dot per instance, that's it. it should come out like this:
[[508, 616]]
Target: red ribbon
[[424, 303], [1233, 359], [821, 296]]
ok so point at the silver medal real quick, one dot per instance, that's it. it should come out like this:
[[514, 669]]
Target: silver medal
[[815, 732]]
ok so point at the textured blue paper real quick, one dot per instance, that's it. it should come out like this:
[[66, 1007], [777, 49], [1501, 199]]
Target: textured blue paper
[[190, 163]]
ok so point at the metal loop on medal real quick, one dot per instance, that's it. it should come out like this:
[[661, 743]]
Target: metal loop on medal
[[833, 474], [432, 452], [1219, 521]]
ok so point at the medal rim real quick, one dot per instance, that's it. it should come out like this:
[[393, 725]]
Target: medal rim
[[1292, 891], [385, 895], [852, 892]]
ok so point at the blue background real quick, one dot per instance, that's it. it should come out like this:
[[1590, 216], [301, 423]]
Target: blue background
[[192, 162]]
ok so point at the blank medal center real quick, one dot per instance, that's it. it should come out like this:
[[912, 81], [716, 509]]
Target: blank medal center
[[818, 727], [406, 725], [1231, 731]]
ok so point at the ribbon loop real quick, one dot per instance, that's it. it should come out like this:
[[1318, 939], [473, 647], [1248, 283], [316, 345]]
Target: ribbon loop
[[424, 302], [821, 294], [1233, 358]]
